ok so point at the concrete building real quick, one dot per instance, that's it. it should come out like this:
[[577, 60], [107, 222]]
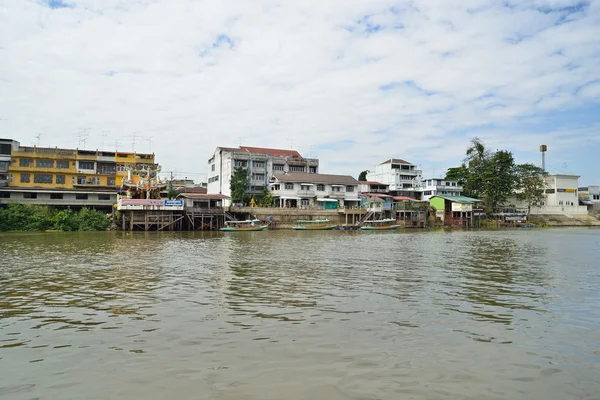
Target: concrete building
[[303, 190], [402, 176], [63, 177], [589, 195], [373, 187], [261, 163], [437, 186]]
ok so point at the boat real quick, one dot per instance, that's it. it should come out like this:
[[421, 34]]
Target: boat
[[314, 225], [243, 226], [380, 225]]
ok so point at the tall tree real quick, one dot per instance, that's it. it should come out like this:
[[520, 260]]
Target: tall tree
[[238, 184], [531, 185], [363, 175]]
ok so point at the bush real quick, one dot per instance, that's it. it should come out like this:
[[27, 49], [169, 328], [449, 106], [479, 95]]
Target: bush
[[21, 217]]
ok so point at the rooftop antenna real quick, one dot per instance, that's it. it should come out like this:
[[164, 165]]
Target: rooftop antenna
[[133, 142], [311, 150], [104, 134], [117, 142], [241, 139], [291, 143], [543, 149], [149, 140], [39, 135]]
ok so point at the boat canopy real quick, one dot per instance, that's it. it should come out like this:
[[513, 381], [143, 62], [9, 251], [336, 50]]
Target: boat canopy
[[248, 221], [313, 221]]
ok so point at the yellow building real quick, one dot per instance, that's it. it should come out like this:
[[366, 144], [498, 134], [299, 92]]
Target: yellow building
[[42, 175]]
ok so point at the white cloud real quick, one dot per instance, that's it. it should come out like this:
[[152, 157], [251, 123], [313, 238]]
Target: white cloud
[[305, 72]]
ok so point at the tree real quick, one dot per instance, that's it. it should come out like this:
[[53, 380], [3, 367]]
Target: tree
[[531, 185], [267, 199], [239, 182], [363, 175]]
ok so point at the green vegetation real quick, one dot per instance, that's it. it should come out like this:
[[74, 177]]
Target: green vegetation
[[363, 175], [267, 199], [239, 182], [21, 217], [493, 177]]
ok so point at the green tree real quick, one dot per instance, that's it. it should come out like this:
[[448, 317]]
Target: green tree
[[531, 185], [363, 175], [267, 199], [239, 182]]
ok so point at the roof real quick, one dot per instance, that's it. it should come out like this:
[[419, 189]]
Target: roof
[[272, 152], [183, 189], [459, 199], [395, 161], [375, 199], [403, 198], [383, 196], [316, 178], [207, 196], [373, 183]]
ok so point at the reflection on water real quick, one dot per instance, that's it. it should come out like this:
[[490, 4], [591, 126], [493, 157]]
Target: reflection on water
[[510, 314]]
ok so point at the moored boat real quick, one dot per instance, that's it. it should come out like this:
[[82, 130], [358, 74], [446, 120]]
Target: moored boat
[[243, 226], [314, 225], [380, 225]]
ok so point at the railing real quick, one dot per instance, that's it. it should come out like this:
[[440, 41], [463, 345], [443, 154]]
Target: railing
[[306, 192]]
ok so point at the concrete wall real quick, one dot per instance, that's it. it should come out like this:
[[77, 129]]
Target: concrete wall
[[43, 198]]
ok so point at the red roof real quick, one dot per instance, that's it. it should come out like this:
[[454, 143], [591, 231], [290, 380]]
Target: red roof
[[272, 152], [191, 189], [404, 198]]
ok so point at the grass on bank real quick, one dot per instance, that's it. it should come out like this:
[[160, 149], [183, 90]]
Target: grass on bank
[[23, 217]]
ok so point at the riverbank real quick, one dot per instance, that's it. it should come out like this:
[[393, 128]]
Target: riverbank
[[21, 217]]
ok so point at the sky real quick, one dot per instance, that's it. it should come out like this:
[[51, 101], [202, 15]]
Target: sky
[[352, 82]]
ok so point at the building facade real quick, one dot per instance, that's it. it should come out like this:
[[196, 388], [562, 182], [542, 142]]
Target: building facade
[[403, 177], [437, 186], [260, 163], [65, 177], [303, 190], [590, 195]]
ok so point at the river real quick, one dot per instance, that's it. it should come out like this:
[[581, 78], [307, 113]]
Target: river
[[301, 315]]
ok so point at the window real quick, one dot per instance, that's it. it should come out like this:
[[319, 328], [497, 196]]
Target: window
[[313, 170], [62, 164], [289, 186], [111, 181], [121, 168], [349, 188], [56, 196], [42, 178], [321, 187], [276, 187], [25, 178], [44, 163], [212, 167], [4, 165], [453, 183], [4, 195], [258, 177], [597, 197], [86, 165], [336, 189], [5, 149], [60, 179], [259, 164], [29, 195], [81, 180], [427, 193], [104, 197], [240, 163], [25, 162], [277, 167], [296, 168], [80, 196]]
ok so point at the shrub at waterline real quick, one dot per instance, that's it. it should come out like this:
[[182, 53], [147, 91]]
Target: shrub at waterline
[[21, 217]]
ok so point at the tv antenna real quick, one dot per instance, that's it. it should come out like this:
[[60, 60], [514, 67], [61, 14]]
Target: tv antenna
[[149, 140], [241, 139], [135, 136], [117, 142], [104, 134], [311, 149], [39, 135]]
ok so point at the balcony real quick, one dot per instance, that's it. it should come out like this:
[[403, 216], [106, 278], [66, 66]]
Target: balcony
[[306, 193]]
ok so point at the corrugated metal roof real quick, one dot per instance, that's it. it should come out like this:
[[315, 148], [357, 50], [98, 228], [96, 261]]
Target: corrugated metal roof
[[459, 199], [272, 152], [300, 177], [403, 198]]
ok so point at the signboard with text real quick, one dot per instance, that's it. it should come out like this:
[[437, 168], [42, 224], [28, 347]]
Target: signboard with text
[[462, 207]]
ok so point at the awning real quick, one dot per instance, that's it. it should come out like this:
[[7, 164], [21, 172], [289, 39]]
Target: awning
[[338, 186], [289, 198], [307, 184], [327, 200]]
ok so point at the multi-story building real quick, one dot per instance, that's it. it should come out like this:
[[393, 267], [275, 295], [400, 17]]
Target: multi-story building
[[590, 195], [402, 177], [65, 177], [303, 190], [261, 165], [373, 187], [438, 186]]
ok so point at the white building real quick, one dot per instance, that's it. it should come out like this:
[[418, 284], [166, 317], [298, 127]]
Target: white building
[[261, 163], [402, 177], [562, 197], [438, 186], [373, 187], [304, 190]]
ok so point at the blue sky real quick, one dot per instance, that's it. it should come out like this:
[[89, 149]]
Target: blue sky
[[353, 84]]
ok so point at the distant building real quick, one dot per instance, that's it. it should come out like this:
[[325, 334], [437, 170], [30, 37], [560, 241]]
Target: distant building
[[373, 187], [589, 195], [402, 177], [63, 177], [299, 190], [261, 163], [437, 186]]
